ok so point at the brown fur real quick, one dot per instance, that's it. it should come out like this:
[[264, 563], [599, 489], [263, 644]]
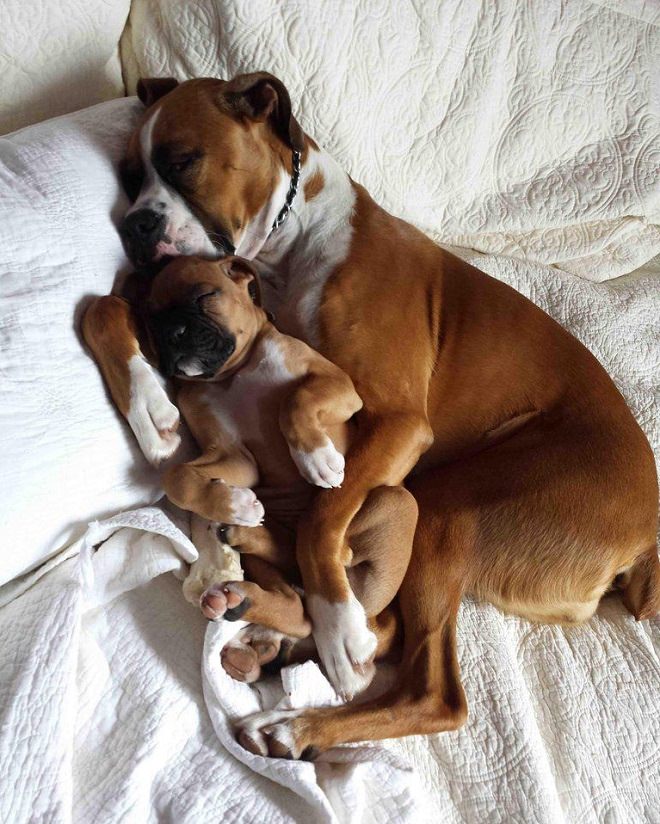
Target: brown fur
[[313, 185], [534, 483], [110, 330]]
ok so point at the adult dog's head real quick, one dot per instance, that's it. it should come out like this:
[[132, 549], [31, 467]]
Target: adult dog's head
[[209, 166], [204, 316]]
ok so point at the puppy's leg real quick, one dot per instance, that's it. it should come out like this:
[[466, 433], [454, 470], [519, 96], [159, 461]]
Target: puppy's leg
[[217, 585], [264, 596], [110, 330], [322, 402], [278, 621], [273, 543], [257, 651], [216, 486]]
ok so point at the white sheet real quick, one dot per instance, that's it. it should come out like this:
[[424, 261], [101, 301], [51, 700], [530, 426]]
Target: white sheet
[[65, 457], [517, 128], [57, 56], [102, 695]]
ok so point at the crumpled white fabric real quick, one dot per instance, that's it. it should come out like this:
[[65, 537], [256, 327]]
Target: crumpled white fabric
[[103, 690], [514, 128]]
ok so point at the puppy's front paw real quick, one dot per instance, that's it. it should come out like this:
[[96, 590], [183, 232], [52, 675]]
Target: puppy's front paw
[[245, 508], [323, 466], [152, 416]]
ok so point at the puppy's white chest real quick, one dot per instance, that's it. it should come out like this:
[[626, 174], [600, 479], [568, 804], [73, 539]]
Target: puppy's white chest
[[247, 405]]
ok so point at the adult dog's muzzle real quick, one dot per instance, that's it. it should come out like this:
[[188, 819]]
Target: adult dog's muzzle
[[141, 231]]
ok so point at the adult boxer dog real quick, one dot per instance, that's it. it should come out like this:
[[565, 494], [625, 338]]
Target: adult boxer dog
[[536, 488]]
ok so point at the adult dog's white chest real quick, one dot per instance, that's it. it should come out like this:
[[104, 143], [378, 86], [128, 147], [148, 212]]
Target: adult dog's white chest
[[299, 257]]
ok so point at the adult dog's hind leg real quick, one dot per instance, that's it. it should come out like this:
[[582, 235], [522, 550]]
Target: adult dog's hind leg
[[428, 696], [380, 539]]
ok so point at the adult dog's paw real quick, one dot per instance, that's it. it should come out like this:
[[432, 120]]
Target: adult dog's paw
[[323, 466], [344, 642]]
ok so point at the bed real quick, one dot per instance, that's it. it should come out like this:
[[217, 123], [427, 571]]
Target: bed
[[526, 138]]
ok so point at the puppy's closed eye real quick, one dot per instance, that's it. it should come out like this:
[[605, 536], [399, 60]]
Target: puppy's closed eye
[[200, 298]]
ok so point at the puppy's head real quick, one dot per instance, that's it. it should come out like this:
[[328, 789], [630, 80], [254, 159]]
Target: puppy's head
[[208, 167], [204, 316]]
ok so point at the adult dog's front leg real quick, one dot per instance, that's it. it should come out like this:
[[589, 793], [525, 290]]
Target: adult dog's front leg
[[110, 330], [389, 447]]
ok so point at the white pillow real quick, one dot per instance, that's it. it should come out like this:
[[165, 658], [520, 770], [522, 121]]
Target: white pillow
[[66, 458], [57, 56], [524, 129]]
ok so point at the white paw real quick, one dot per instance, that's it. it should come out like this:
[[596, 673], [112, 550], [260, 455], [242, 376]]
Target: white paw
[[152, 416], [344, 642], [246, 508], [269, 733], [323, 466]]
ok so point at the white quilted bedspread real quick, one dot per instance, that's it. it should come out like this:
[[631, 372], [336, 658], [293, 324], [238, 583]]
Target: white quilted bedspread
[[529, 129], [57, 56]]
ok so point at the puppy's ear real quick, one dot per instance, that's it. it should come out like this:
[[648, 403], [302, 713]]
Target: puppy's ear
[[151, 89], [261, 96], [241, 271]]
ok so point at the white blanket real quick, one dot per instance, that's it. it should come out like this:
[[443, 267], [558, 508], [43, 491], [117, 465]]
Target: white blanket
[[106, 715], [103, 707]]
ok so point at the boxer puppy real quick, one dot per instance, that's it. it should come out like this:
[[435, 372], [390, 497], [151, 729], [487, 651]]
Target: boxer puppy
[[271, 414], [536, 487]]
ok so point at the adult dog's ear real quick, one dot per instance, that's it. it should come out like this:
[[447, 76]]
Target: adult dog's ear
[[243, 272], [261, 96], [151, 89]]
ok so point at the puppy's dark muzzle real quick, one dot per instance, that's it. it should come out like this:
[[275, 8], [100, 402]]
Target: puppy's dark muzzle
[[183, 333], [141, 231]]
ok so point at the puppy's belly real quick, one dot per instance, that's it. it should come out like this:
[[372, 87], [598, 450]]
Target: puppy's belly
[[286, 504]]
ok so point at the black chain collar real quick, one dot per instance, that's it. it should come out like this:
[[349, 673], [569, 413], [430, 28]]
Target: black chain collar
[[290, 195]]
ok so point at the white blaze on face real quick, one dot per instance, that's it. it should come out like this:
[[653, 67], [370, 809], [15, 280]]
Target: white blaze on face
[[258, 229], [184, 234]]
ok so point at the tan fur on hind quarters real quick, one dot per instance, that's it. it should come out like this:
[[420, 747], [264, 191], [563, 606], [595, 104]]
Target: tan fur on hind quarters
[[641, 586]]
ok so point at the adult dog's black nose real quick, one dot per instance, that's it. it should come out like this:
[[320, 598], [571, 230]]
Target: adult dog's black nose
[[144, 227]]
